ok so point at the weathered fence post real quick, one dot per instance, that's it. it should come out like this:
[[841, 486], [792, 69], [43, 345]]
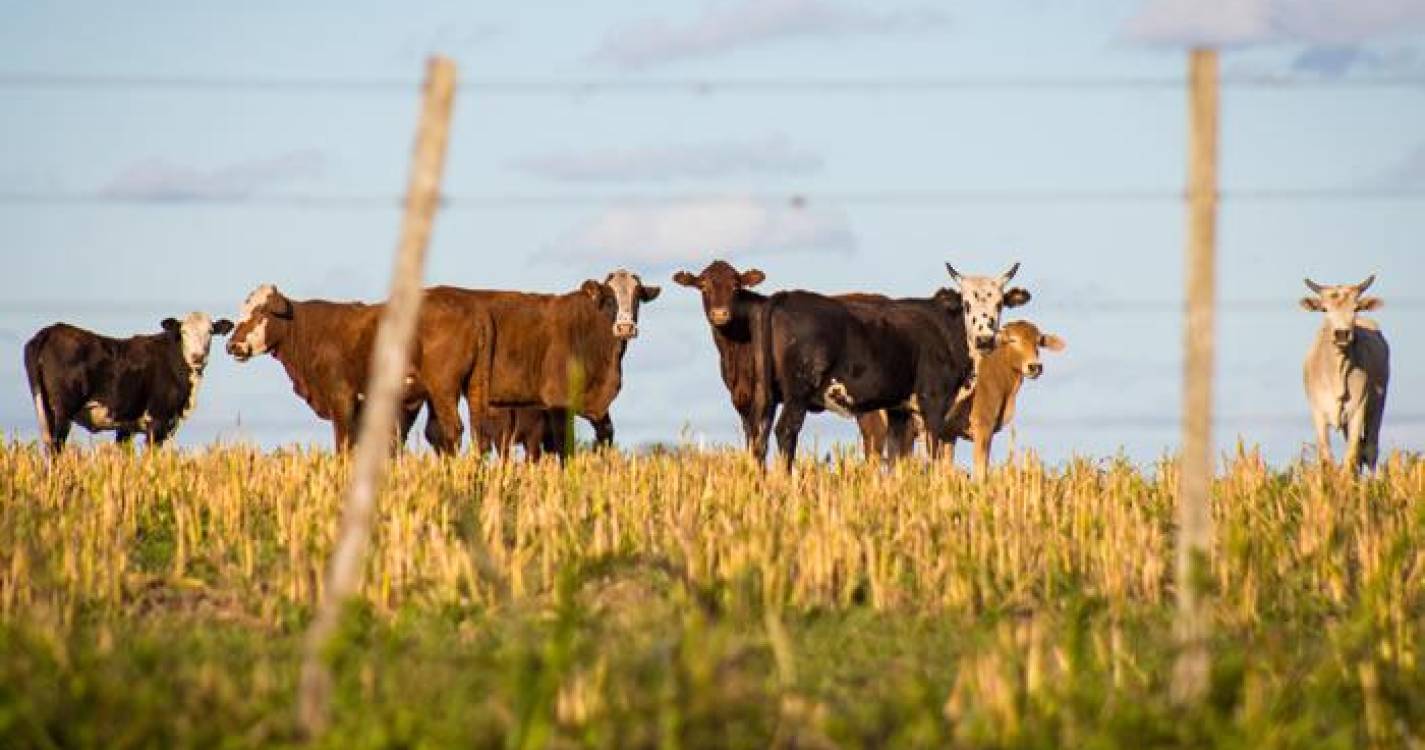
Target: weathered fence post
[[1194, 543], [389, 358]]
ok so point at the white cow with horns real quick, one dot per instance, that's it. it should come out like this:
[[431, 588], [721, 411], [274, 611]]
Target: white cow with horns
[[1346, 372]]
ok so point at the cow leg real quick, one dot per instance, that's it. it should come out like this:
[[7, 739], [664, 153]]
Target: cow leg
[[947, 450], [446, 410], [603, 431], [982, 454], [123, 437], [749, 427], [1370, 449], [157, 435], [1355, 440], [341, 433], [533, 440], [409, 414], [789, 427], [59, 433], [874, 427], [560, 433], [1323, 438], [900, 434]]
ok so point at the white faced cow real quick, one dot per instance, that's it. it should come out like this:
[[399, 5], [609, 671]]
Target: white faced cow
[[145, 384], [1346, 372], [983, 298]]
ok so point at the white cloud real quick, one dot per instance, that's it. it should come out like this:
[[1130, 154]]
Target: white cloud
[[158, 179], [695, 230], [1231, 23], [770, 155], [724, 27]]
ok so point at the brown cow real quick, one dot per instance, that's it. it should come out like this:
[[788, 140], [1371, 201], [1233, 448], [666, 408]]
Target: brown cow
[[990, 406], [325, 347], [560, 352]]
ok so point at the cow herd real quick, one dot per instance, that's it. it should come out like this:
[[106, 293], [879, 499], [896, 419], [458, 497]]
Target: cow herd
[[935, 369]]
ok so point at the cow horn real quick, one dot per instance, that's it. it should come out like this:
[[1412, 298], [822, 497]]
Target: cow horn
[[1009, 274], [953, 273], [1364, 285], [1313, 286]]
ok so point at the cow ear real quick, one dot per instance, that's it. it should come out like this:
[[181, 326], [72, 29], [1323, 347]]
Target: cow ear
[[1367, 304], [1312, 304], [752, 277], [223, 327], [1016, 296], [594, 289], [171, 325], [280, 306], [1051, 342], [683, 278], [649, 293], [950, 300]]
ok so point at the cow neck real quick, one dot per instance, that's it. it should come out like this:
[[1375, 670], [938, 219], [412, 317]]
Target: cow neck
[[739, 328], [599, 340], [187, 378], [291, 350], [1000, 366]]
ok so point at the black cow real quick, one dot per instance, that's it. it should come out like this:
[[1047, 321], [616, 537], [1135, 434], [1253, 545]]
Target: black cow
[[854, 356], [146, 383]]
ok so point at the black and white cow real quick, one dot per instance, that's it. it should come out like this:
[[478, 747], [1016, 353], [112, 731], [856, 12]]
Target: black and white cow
[[146, 383]]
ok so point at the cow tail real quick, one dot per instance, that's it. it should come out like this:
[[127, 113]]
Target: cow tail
[[43, 408]]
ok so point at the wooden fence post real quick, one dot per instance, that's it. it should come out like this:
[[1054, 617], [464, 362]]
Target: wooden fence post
[[1194, 509], [389, 358]]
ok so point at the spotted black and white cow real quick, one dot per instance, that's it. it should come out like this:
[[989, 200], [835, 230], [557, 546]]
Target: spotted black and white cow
[[146, 383]]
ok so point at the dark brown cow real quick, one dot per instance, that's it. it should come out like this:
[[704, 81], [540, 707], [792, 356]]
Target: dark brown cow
[[145, 384], [325, 347], [559, 352], [731, 309], [858, 356]]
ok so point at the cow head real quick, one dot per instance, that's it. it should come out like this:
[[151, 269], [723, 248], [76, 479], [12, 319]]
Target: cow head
[[619, 295], [195, 335], [1341, 303], [984, 297], [1022, 341], [719, 284], [264, 314]]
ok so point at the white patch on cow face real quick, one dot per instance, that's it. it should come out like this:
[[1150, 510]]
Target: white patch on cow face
[[196, 335], [983, 300], [249, 336], [625, 288]]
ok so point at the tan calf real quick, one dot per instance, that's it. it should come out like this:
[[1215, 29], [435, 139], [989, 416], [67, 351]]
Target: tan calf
[[990, 405]]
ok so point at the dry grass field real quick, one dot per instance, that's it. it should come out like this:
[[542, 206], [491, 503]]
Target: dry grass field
[[686, 600]]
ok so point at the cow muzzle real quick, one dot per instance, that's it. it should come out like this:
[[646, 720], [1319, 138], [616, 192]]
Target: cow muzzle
[[625, 329], [239, 351], [719, 316], [985, 343], [1342, 337], [1033, 370]]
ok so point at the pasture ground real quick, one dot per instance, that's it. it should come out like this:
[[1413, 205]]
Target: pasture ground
[[683, 600]]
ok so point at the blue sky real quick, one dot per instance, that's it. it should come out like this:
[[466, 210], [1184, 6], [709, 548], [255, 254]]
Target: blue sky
[[184, 186]]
